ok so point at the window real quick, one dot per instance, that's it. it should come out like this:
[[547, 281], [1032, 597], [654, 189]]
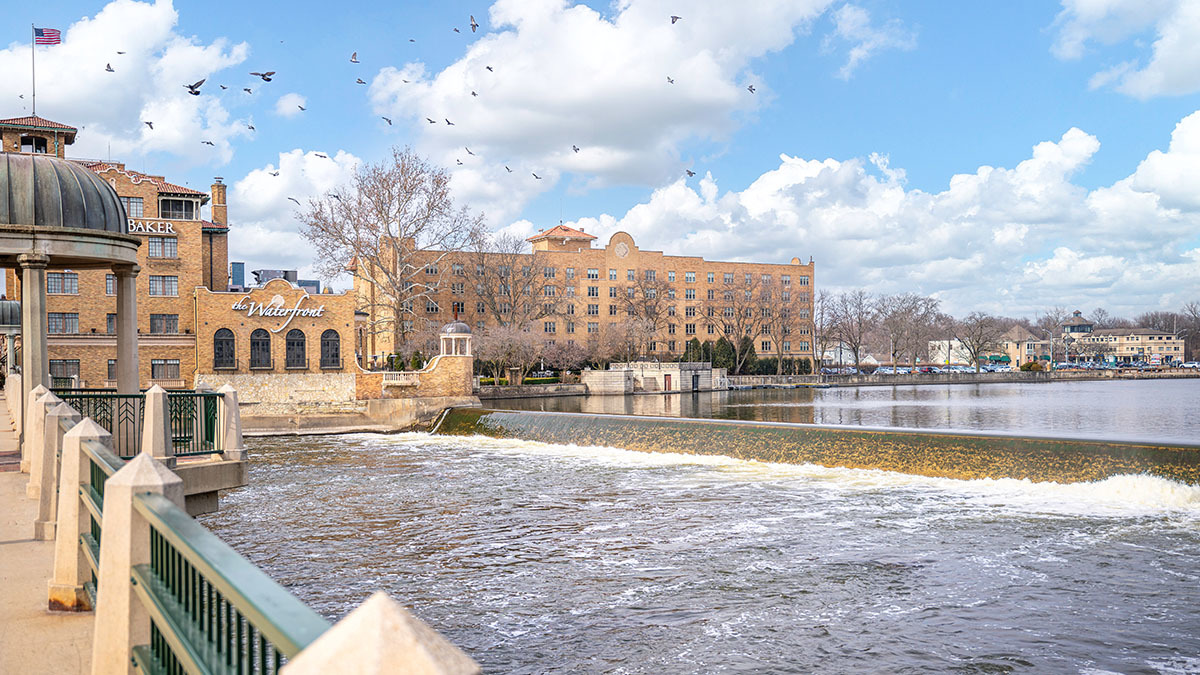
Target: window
[[479, 271], [765, 345], [766, 278], [711, 277], [177, 209], [570, 326], [62, 283], [431, 307], [62, 323], [651, 275], [710, 310], [593, 291], [133, 209], [711, 329], [787, 345], [164, 285], [653, 346], [612, 291], [727, 312], [671, 329], [64, 367], [526, 271], [689, 328], [457, 288], [480, 307], [549, 272], [570, 291], [506, 308], [689, 277], [110, 284], [164, 369], [431, 269], [612, 275], [612, 310], [785, 279], [671, 276], [33, 144], [223, 352], [729, 277], [670, 345], [458, 307], [630, 275], [593, 327], [749, 278], [110, 324], [294, 349], [803, 281], [785, 296], [689, 311], [162, 247], [689, 294], [653, 293], [570, 273], [164, 323], [593, 273], [803, 346], [504, 289], [331, 349], [671, 310], [803, 313], [593, 310], [112, 369], [712, 294], [571, 310], [526, 290], [549, 327], [260, 349]]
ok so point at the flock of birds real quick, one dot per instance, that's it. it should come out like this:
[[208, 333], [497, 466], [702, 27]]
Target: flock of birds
[[266, 76]]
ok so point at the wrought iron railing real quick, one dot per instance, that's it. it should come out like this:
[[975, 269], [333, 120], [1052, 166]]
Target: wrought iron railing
[[102, 463], [193, 414], [194, 422], [211, 610]]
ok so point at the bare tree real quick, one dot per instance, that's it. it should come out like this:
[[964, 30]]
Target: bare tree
[[823, 326], [504, 347], [1190, 330], [979, 333], [904, 322], [738, 313], [646, 300], [516, 287], [392, 220], [853, 315]]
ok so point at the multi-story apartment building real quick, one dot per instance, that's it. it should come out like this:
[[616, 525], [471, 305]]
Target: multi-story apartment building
[[180, 252], [566, 290]]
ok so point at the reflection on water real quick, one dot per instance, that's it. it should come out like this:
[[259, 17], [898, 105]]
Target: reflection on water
[[1116, 409], [547, 558]]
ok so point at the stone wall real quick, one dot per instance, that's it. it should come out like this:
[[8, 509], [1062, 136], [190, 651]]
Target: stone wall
[[533, 391], [608, 381], [444, 375], [270, 388]]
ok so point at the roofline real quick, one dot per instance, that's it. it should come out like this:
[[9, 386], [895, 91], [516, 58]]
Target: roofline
[[64, 129]]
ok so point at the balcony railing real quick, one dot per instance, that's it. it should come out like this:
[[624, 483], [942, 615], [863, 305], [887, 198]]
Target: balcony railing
[[401, 379], [193, 416]]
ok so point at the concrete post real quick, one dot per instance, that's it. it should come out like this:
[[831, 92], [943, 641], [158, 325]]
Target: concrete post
[[121, 620], [37, 416], [229, 422], [127, 335], [201, 430], [380, 636], [34, 362], [15, 402], [71, 570], [43, 527], [156, 427], [28, 399]]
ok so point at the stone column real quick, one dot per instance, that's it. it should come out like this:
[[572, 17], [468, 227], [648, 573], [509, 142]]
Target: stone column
[[31, 449], [128, 381], [121, 620], [156, 427], [11, 354], [229, 425], [71, 569], [52, 443], [35, 367]]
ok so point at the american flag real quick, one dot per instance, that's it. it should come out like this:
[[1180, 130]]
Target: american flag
[[47, 36]]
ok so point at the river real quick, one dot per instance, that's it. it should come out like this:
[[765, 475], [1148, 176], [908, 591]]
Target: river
[[549, 558]]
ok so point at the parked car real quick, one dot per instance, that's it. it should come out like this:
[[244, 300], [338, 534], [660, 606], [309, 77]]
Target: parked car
[[1190, 364]]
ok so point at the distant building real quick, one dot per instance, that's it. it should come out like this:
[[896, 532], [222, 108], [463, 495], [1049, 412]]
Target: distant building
[[1021, 346], [949, 353]]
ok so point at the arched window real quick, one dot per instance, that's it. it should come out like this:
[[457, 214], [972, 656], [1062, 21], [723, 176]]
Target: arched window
[[223, 353], [260, 349], [295, 349], [331, 349]]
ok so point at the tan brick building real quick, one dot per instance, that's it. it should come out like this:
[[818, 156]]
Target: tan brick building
[[180, 251], [567, 290]]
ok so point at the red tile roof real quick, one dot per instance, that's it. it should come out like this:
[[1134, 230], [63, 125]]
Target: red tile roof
[[208, 224], [35, 121], [138, 177], [561, 231]]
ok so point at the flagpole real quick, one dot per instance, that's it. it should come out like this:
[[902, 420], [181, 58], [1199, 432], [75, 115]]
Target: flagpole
[[33, 63]]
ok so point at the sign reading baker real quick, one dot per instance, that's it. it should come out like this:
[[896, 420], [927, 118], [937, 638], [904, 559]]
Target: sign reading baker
[[150, 227], [277, 309]]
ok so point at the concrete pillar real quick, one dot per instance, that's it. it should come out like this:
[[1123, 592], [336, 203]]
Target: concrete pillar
[[35, 367], [31, 451], [156, 427], [16, 405], [121, 620], [229, 425], [71, 570], [59, 416], [11, 353], [127, 335], [380, 636], [28, 398]]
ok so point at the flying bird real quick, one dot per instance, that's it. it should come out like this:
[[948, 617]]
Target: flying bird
[[386, 120], [337, 197], [120, 52], [404, 81], [411, 40], [750, 88], [536, 176], [459, 162], [575, 148], [359, 81], [474, 94], [273, 173], [430, 121], [354, 57], [266, 77], [449, 122], [247, 90], [507, 169], [457, 30], [468, 151], [474, 25], [321, 155], [295, 200], [302, 108], [108, 68], [490, 69], [209, 143], [669, 80], [194, 89], [222, 86], [690, 173], [149, 124], [250, 127], [674, 19]]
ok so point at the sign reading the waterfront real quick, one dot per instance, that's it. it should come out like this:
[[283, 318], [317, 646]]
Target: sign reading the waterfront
[[150, 227], [276, 309]]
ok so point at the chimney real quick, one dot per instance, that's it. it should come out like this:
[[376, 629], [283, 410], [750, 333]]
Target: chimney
[[218, 202]]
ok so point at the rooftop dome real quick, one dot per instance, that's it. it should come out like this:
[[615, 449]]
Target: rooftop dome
[[45, 191], [456, 327]]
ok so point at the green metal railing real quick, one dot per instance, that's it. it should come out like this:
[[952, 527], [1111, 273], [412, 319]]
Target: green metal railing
[[194, 419], [212, 610], [102, 463]]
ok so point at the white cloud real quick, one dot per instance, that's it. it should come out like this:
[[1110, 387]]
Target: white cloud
[[1010, 241], [289, 104], [267, 232], [1172, 66], [147, 85], [852, 25], [567, 75]]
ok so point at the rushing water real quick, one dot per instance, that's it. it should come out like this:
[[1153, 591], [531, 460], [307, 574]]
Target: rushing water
[[542, 558], [1109, 409]]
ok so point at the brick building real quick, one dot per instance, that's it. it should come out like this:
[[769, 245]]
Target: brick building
[[567, 290], [179, 252]]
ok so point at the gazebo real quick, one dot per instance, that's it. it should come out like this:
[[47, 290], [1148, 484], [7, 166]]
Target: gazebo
[[55, 214]]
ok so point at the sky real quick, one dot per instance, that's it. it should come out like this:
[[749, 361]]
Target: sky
[[1001, 157]]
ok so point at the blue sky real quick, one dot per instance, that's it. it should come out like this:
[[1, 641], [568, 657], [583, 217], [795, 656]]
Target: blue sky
[[867, 144]]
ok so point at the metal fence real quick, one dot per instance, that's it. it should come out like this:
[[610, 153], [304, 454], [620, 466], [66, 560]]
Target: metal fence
[[194, 415], [102, 463]]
